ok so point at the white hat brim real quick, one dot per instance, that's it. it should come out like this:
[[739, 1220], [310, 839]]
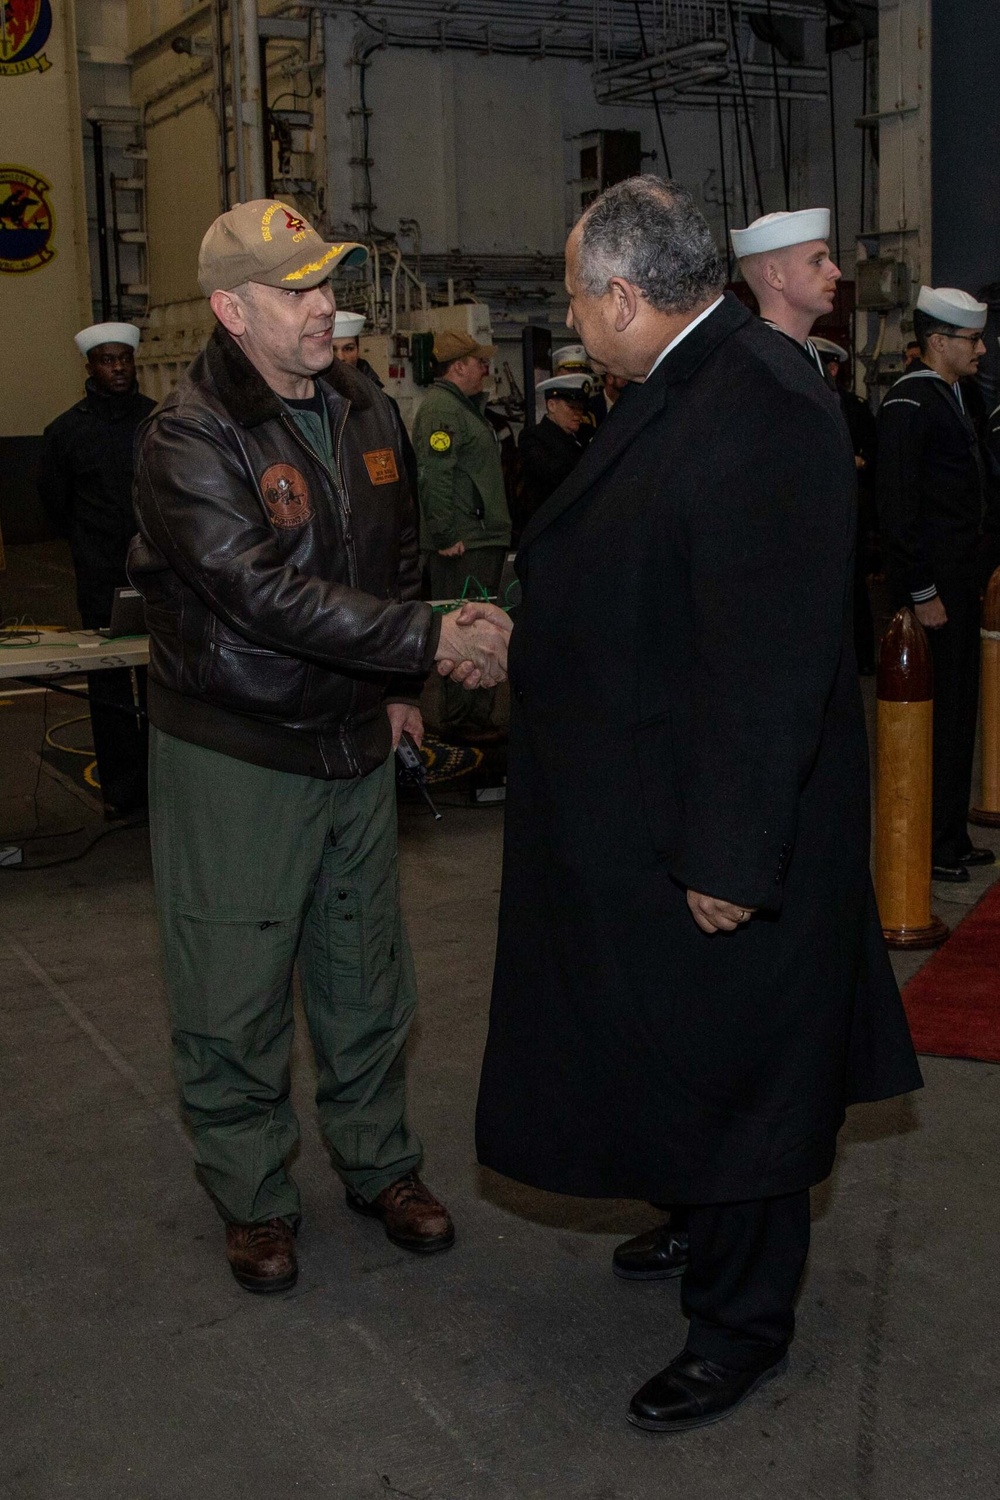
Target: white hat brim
[[947, 305], [779, 231], [106, 333], [347, 325]]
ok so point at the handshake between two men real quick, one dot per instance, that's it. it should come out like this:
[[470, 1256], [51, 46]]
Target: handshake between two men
[[472, 648]]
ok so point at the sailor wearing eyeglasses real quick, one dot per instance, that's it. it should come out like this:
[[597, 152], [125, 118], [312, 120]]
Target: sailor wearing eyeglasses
[[937, 505]]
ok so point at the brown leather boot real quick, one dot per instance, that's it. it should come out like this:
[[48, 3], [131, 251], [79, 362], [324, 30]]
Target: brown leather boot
[[262, 1256], [413, 1217]]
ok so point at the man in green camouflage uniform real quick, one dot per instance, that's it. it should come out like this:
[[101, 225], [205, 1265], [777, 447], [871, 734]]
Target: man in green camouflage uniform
[[464, 520]]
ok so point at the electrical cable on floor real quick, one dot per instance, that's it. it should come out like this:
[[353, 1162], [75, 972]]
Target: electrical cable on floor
[[69, 749], [72, 859], [38, 769]]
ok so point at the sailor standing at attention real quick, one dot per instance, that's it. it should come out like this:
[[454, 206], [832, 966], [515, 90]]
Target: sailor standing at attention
[[937, 508], [785, 260]]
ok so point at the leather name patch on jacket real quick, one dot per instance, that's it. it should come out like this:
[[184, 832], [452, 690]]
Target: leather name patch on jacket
[[381, 466], [286, 495]]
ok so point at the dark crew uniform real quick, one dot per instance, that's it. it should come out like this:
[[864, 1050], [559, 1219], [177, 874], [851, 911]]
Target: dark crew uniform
[[933, 495], [548, 456], [864, 440], [85, 482], [808, 350], [864, 443]]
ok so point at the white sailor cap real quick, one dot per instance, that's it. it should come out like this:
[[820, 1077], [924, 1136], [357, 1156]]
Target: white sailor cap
[[106, 333], [778, 231], [828, 349], [569, 387], [348, 325], [571, 357], [949, 305]]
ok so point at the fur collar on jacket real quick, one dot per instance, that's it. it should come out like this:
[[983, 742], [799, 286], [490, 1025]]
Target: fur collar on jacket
[[250, 400]]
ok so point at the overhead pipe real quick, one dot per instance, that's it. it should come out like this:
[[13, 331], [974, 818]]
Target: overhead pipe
[[708, 48], [221, 126], [102, 218], [254, 101], [235, 53]]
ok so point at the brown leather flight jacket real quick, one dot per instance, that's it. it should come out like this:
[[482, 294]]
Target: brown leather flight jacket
[[281, 602]]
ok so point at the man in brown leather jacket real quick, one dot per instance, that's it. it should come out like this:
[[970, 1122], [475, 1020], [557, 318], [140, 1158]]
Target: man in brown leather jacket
[[277, 555]]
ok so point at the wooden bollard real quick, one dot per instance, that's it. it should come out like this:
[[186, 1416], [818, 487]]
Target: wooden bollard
[[987, 814], [905, 693]]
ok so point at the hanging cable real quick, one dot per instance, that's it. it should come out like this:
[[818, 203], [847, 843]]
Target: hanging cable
[[777, 111], [746, 104], [739, 157], [833, 150], [725, 195], [864, 133], [655, 92]]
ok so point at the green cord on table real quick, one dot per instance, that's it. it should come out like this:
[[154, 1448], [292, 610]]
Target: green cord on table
[[466, 597]]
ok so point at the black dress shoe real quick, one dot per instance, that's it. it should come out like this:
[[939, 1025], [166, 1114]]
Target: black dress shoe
[[978, 857], [957, 874], [693, 1392], [657, 1255]]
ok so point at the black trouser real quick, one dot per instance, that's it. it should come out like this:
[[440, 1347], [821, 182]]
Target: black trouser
[[864, 624], [955, 653], [121, 736], [746, 1262]]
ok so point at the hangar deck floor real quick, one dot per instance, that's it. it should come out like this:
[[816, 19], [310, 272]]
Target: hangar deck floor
[[134, 1368]]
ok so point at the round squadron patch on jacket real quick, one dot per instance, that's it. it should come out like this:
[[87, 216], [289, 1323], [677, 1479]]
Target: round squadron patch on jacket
[[286, 495], [440, 441]]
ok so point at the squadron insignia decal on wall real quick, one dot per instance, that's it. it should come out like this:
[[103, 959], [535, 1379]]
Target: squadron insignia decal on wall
[[286, 495], [26, 219], [24, 30]]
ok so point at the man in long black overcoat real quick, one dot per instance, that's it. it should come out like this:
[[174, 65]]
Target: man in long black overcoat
[[691, 981]]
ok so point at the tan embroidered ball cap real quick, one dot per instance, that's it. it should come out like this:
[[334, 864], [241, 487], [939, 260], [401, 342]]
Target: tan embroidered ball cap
[[450, 345], [269, 242]]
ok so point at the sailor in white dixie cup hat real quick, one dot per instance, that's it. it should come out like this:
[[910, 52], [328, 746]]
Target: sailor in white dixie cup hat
[[85, 482], [106, 333], [933, 495], [785, 259], [346, 345]]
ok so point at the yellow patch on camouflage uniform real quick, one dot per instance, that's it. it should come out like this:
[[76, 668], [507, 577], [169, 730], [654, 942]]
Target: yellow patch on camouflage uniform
[[440, 441]]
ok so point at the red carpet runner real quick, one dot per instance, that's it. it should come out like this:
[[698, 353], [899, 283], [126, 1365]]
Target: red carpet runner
[[953, 1004]]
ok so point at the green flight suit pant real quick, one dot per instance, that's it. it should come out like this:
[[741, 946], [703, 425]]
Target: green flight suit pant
[[468, 711], [255, 871]]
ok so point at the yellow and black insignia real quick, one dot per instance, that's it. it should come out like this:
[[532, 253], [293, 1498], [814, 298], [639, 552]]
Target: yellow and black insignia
[[440, 441]]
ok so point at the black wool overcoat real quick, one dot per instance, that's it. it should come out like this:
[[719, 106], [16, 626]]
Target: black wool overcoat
[[686, 714]]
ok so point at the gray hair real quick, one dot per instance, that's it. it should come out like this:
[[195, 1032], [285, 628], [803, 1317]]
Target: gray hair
[[648, 231]]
